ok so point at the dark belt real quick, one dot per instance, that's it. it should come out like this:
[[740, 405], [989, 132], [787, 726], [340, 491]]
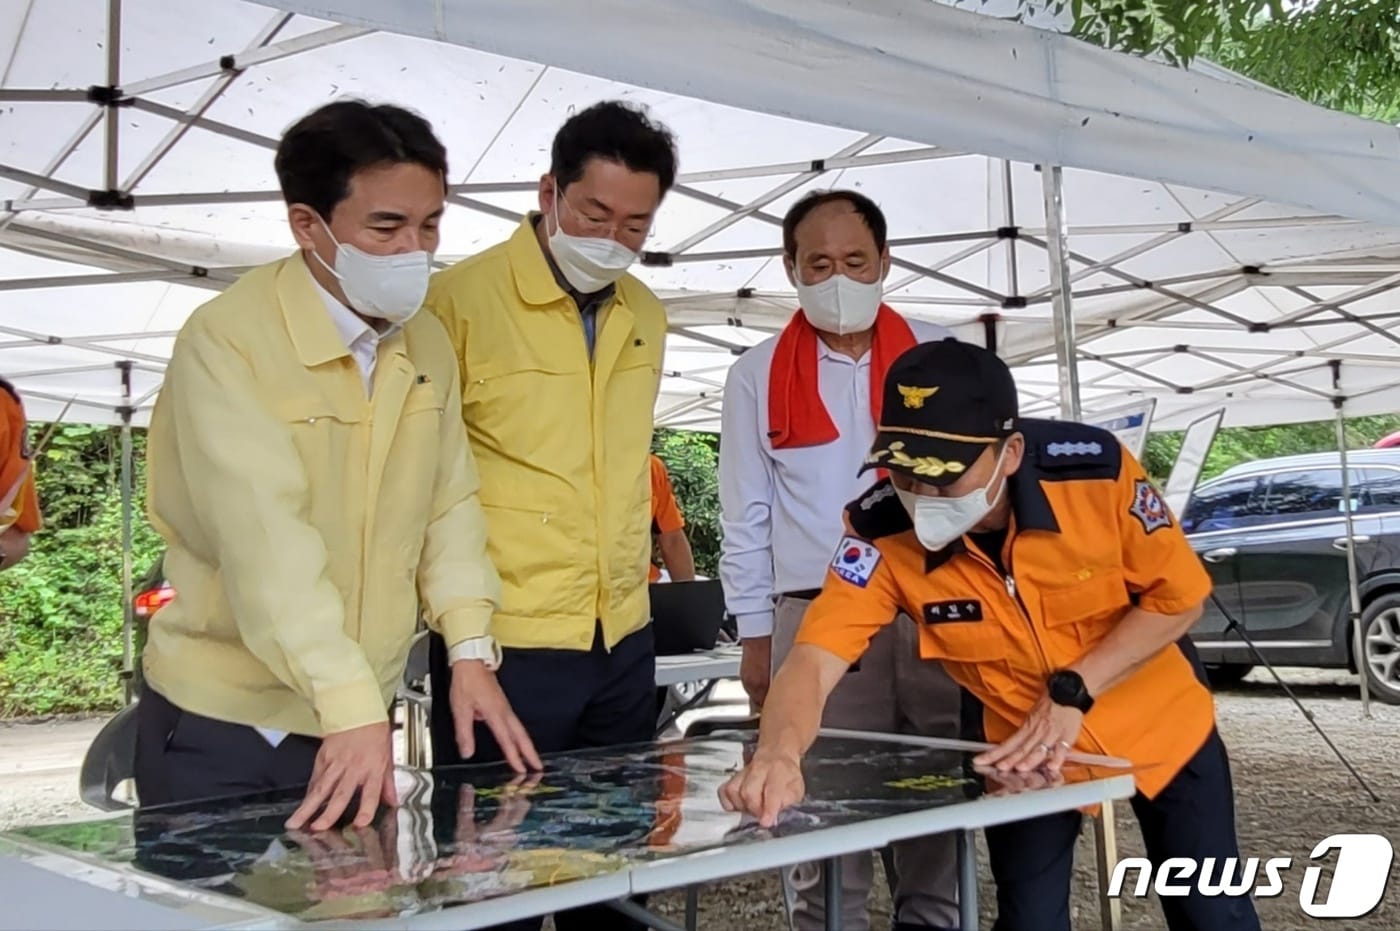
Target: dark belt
[[806, 594]]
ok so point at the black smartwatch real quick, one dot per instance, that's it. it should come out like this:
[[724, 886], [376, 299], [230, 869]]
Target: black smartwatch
[[1067, 688]]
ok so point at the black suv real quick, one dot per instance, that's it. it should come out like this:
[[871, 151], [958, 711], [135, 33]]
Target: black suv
[[1272, 534]]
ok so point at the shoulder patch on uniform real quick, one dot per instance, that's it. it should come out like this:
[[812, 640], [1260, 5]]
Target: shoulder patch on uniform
[[855, 560], [877, 494], [878, 512], [1073, 448], [1069, 450], [1148, 507]]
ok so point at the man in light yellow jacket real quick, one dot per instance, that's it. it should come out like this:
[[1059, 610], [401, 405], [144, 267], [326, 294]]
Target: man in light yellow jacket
[[560, 351], [310, 475]]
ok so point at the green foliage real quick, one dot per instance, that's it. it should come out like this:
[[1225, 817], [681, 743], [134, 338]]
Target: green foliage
[[1342, 54], [693, 461], [61, 608], [1235, 445]]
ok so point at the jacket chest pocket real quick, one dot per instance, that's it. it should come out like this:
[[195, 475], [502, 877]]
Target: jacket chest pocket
[[331, 444], [1079, 615], [505, 400], [318, 426], [978, 652], [420, 421], [631, 399], [423, 399]]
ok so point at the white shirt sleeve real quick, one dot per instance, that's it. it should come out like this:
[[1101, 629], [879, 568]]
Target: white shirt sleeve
[[746, 506]]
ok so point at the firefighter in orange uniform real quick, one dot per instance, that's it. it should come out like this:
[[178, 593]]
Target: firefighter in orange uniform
[[1054, 584], [668, 528], [19, 501]]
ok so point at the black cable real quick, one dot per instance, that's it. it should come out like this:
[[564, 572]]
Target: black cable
[[1232, 624]]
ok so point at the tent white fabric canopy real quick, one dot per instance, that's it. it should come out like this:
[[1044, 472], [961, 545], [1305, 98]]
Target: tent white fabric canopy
[[118, 220]]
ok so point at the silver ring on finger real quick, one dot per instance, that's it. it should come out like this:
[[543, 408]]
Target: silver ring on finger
[[1046, 748]]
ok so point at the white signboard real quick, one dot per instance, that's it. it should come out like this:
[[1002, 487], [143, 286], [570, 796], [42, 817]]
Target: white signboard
[[1191, 459], [1129, 423]]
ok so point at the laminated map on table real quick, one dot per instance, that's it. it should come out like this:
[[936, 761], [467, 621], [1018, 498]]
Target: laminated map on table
[[623, 820]]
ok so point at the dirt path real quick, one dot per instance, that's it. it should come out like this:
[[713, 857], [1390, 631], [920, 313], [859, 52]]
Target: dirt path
[[39, 770], [1291, 793]]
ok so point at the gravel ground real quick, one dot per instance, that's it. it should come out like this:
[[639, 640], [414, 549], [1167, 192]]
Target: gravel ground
[[1291, 793]]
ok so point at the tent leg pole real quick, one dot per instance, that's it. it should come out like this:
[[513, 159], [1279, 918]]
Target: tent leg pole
[[111, 159], [991, 321], [1353, 583], [1008, 196], [1066, 352], [128, 607]]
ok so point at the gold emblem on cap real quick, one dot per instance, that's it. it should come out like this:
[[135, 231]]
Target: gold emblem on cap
[[914, 397], [931, 466]]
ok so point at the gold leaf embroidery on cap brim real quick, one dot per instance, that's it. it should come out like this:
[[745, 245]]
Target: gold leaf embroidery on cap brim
[[931, 466]]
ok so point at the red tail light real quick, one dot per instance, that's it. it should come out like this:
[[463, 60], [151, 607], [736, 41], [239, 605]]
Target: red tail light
[[149, 602]]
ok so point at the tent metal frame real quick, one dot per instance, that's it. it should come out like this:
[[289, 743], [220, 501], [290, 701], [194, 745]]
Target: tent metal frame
[[1068, 338]]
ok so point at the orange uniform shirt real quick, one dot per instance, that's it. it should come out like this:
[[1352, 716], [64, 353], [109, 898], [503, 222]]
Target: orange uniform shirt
[[665, 512], [1090, 538], [17, 489]]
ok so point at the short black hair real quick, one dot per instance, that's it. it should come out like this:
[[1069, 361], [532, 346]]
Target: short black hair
[[323, 150], [873, 216], [618, 132]]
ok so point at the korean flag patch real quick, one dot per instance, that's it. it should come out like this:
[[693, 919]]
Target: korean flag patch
[[855, 561], [1149, 508]]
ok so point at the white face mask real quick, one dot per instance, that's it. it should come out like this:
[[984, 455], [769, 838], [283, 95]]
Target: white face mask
[[841, 305], [388, 287], [940, 521], [589, 263]]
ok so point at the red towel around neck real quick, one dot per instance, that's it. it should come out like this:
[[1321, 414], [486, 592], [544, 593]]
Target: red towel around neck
[[796, 415]]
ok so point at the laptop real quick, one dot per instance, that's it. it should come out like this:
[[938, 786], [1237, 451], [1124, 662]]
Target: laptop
[[686, 616]]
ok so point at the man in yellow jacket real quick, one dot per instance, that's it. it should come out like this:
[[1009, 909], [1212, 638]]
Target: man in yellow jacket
[[560, 351], [309, 472]]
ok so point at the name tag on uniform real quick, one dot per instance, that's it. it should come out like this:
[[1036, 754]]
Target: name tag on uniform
[[948, 612]]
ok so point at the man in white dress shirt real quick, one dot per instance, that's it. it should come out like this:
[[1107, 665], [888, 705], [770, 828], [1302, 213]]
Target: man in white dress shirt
[[798, 421]]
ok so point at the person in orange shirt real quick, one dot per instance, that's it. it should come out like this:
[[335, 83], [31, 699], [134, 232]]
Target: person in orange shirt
[[19, 501], [668, 528], [1052, 581]]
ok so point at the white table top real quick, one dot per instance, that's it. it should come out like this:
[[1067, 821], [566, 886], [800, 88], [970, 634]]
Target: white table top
[[45, 887]]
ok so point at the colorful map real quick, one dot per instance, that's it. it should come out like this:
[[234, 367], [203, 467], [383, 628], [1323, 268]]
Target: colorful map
[[472, 833]]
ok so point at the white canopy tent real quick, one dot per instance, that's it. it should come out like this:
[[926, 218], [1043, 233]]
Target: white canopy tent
[[124, 208]]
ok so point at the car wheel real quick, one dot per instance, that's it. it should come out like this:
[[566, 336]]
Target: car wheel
[[1380, 640], [1225, 675]]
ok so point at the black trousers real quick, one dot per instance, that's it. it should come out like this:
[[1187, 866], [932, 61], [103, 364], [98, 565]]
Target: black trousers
[[184, 757], [567, 700], [1194, 816]]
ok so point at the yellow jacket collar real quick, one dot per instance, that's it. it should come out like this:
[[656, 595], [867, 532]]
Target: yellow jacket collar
[[533, 278], [313, 332]]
